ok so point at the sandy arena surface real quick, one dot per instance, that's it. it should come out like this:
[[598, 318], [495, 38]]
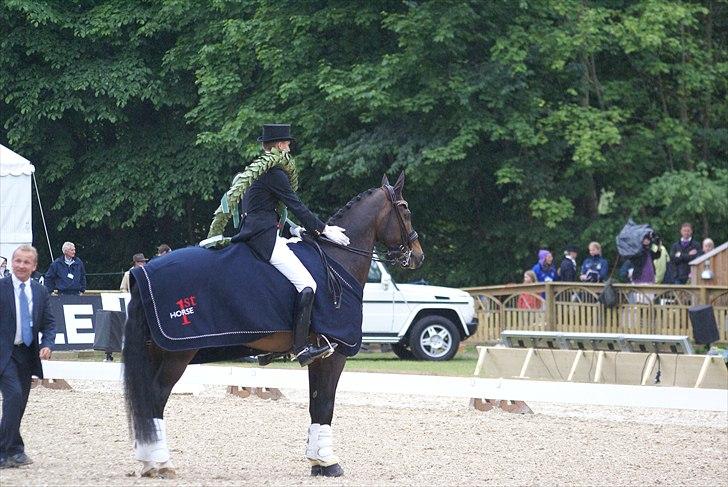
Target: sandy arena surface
[[80, 437]]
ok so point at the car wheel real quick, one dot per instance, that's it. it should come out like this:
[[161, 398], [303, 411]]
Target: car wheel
[[401, 351], [434, 338]]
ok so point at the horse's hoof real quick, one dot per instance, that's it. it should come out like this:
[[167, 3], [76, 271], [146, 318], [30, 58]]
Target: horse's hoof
[[334, 470], [151, 473], [167, 473]]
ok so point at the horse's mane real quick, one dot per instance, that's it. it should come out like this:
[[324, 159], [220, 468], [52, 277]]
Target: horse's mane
[[340, 212]]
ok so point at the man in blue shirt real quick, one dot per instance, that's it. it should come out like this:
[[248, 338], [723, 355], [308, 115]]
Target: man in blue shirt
[[67, 275]]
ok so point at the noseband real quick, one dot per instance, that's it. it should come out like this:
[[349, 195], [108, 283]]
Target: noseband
[[402, 253]]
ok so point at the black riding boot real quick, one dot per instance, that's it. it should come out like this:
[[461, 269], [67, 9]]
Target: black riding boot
[[305, 351]]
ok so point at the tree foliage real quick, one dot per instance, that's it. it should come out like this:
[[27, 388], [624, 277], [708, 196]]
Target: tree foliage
[[519, 124]]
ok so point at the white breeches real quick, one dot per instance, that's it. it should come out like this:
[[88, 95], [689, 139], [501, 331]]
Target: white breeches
[[288, 264]]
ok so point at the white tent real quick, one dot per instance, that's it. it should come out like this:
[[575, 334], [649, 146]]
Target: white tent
[[15, 201]]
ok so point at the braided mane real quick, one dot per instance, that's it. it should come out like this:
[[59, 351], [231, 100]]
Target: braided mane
[[340, 212]]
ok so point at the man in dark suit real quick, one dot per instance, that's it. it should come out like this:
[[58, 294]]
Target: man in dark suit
[[24, 312]]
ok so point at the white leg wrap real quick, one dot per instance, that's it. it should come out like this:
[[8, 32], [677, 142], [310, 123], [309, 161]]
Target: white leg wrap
[[156, 451], [313, 432], [320, 446]]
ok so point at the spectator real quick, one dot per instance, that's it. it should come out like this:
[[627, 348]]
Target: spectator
[[163, 249], [682, 252], [663, 270], [528, 300], [567, 271], [643, 268], [595, 268], [137, 261], [544, 269], [4, 272], [708, 245], [38, 277], [67, 274]]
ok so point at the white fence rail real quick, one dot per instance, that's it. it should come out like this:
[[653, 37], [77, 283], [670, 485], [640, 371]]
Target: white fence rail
[[401, 384]]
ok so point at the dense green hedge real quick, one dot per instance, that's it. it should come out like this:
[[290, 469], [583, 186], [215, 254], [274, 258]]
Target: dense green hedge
[[520, 123]]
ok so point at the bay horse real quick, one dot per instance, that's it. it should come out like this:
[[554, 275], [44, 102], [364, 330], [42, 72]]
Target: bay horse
[[379, 215]]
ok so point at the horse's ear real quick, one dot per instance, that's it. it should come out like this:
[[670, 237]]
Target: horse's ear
[[385, 181], [400, 183]]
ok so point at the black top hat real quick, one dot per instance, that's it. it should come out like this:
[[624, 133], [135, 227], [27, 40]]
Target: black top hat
[[276, 131], [572, 248]]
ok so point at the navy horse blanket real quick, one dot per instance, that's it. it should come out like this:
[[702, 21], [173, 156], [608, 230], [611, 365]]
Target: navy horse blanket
[[197, 298]]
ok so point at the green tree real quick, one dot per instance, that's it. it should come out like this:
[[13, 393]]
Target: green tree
[[519, 124]]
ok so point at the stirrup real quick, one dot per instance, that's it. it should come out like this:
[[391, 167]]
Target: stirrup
[[266, 358], [311, 352]]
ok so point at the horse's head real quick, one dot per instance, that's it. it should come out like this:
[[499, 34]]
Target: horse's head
[[394, 228]]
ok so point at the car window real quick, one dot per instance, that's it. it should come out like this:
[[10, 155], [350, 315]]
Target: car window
[[375, 275]]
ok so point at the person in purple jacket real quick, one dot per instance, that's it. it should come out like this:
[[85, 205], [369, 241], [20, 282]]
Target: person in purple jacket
[[643, 267], [545, 269]]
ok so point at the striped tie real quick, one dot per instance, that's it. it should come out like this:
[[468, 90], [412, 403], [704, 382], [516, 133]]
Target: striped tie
[[26, 324]]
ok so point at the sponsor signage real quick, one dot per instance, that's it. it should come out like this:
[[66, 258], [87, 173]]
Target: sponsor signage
[[75, 317]]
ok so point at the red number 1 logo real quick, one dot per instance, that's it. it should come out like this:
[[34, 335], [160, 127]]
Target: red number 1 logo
[[182, 307]]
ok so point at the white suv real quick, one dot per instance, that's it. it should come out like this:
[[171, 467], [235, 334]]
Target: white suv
[[418, 321]]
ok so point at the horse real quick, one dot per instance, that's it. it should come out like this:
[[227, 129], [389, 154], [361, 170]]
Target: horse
[[379, 215]]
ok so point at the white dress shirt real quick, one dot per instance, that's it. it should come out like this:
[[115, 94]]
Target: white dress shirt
[[29, 294]]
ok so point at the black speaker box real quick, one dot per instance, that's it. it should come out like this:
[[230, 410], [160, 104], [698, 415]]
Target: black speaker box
[[705, 330], [109, 330]]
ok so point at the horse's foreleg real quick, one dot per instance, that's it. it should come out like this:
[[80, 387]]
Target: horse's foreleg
[[323, 378], [155, 456]]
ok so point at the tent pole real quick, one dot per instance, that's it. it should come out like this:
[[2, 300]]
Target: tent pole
[[45, 228]]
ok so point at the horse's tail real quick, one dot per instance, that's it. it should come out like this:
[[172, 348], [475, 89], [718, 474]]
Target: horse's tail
[[138, 377]]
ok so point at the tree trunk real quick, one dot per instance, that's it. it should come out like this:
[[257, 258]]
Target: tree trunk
[[705, 112], [595, 81], [189, 217]]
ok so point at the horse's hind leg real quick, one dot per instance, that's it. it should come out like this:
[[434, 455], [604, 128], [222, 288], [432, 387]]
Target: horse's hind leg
[[169, 368], [323, 378]]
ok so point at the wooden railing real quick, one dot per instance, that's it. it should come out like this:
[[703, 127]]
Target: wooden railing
[[574, 307]]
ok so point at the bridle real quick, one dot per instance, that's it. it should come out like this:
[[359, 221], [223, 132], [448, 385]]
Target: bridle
[[399, 254], [402, 253]]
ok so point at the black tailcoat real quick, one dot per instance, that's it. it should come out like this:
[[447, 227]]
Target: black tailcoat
[[259, 224]]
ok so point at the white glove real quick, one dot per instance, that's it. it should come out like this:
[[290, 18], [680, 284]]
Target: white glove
[[336, 234], [297, 231]]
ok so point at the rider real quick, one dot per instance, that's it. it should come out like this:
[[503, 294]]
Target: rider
[[259, 230]]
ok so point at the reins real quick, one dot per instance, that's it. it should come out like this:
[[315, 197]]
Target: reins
[[332, 278]]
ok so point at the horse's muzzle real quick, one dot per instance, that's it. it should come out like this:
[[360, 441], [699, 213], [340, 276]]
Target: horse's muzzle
[[416, 260]]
